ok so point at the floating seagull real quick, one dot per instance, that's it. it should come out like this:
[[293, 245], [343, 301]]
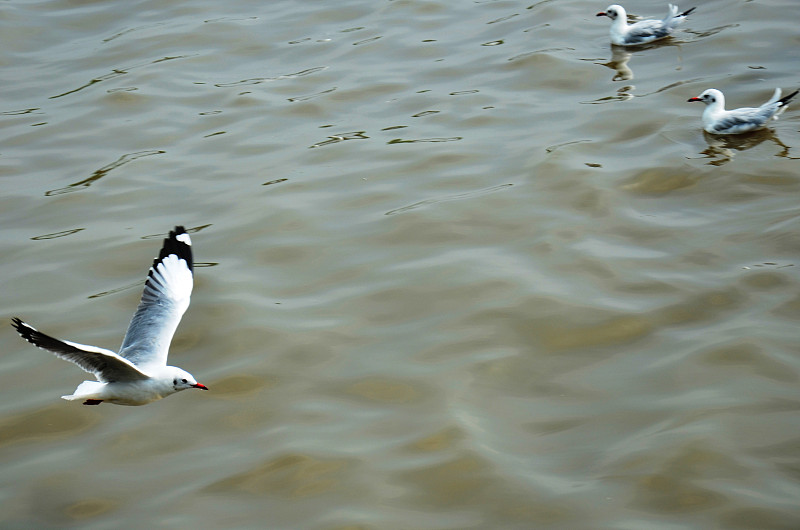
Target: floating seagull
[[717, 120], [139, 373], [643, 31]]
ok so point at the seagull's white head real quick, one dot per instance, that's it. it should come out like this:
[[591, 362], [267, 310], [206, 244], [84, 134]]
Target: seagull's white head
[[712, 96], [181, 380], [614, 12]]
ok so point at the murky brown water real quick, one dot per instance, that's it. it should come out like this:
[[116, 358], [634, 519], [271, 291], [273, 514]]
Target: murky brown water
[[454, 274]]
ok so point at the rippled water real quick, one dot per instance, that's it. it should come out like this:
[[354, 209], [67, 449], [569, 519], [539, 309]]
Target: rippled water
[[461, 265]]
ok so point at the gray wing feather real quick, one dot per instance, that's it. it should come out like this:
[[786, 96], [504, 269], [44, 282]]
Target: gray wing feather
[[106, 365], [645, 29], [655, 29], [744, 119], [164, 301]]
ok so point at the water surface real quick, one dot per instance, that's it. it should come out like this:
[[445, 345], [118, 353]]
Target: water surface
[[460, 265]]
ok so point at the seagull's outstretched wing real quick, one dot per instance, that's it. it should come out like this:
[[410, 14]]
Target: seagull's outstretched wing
[[106, 365], [164, 300]]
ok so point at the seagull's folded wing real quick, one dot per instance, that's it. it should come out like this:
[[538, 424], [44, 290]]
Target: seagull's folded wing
[[164, 301], [741, 120], [645, 29], [106, 365]]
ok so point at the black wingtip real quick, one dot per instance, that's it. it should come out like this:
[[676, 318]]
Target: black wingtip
[[25, 331], [785, 99], [687, 12], [173, 245], [28, 332]]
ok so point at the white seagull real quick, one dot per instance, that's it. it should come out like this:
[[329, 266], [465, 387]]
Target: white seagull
[[717, 120], [643, 31], [139, 373]]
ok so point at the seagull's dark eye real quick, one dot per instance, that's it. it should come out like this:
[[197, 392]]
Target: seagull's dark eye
[[174, 381], [183, 381]]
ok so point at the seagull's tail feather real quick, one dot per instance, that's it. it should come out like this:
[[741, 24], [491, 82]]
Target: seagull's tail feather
[[784, 100], [775, 97], [781, 103], [673, 18], [86, 390]]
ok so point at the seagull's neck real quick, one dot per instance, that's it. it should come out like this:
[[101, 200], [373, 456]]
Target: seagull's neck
[[714, 111], [718, 107], [620, 24], [160, 372]]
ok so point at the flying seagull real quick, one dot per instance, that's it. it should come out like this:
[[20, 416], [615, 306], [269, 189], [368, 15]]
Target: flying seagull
[[138, 374]]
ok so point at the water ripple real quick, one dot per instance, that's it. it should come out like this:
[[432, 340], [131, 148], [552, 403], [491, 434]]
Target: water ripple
[[455, 197], [102, 172]]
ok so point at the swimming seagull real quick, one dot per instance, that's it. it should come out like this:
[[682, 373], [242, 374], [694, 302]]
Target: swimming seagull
[[643, 31], [139, 373], [717, 120]]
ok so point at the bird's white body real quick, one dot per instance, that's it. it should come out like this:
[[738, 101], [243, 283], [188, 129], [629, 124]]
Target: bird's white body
[[121, 393], [717, 120], [643, 31], [158, 386], [138, 374]]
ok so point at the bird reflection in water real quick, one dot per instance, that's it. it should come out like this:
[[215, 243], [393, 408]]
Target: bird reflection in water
[[620, 55], [722, 148], [619, 62]]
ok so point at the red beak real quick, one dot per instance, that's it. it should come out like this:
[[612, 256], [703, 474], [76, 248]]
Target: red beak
[[694, 99], [603, 14], [198, 385]]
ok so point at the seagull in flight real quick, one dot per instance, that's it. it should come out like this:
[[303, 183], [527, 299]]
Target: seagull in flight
[[138, 374], [717, 120], [643, 31]]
